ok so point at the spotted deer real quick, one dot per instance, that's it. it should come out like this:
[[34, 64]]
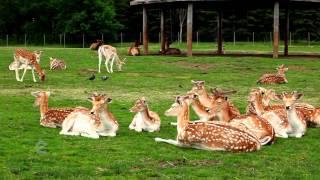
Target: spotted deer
[[134, 49], [299, 126], [57, 64], [254, 124], [50, 117], [145, 119], [110, 56], [207, 136], [25, 60], [277, 78], [99, 122]]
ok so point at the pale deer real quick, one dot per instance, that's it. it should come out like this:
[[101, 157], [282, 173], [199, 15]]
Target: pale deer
[[278, 77], [25, 60], [256, 125], [144, 119], [295, 118], [57, 64], [134, 49], [207, 136], [110, 56], [50, 117], [99, 122]]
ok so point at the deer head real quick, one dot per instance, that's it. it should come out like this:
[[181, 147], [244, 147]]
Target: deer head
[[281, 69], [177, 107], [99, 102], [40, 96], [38, 55], [140, 105], [289, 99], [198, 87]]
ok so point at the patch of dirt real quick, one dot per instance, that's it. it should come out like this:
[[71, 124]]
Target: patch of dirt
[[181, 162], [88, 70], [297, 68], [191, 65]]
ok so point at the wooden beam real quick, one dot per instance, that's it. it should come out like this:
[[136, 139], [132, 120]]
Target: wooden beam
[[189, 29], [276, 30], [286, 32], [145, 30], [219, 32], [162, 30]]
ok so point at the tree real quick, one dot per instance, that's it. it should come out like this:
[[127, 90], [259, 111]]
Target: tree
[[182, 13]]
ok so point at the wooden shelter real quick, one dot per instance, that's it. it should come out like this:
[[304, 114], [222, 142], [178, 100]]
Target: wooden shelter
[[219, 6]]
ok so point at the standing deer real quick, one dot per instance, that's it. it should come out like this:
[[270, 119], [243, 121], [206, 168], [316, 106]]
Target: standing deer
[[110, 56], [144, 119], [103, 123], [278, 78], [25, 60], [207, 136]]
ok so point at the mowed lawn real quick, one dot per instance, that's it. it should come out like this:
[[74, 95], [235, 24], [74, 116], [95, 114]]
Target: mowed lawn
[[29, 151]]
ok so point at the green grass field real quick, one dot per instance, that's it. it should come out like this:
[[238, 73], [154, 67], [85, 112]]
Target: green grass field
[[29, 151]]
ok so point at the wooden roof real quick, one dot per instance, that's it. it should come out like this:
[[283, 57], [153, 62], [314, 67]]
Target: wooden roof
[[142, 2]]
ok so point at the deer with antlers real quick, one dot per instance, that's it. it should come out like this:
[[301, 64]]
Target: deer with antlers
[[207, 136], [110, 56], [145, 119], [25, 60], [277, 78], [99, 122]]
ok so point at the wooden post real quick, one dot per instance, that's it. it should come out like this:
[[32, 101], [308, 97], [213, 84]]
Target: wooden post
[[189, 29], [252, 38], [7, 38], [25, 40], [276, 30], [162, 30], [286, 32], [145, 30], [102, 38], [44, 39], [309, 38], [234, 38], [121, 39], [64, 40], [82, 40], [197, 38], [219, 31]]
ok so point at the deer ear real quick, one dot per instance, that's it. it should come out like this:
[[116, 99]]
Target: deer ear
[[50, 58], [298, 95], [108, 100], [90, 99], [35, 94], [278, 96], [48, 93]]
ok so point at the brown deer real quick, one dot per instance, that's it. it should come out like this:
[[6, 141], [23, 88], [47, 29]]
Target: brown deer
[[277, 78], [96, 45], [207, 136], [134, 49], [99, 122], [167, 50], [25, 60], [145, 119]]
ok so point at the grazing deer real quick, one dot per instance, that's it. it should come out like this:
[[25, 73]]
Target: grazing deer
[[50, 117], [144, 119], [96, 45], [258, 126], [99, 122], [207, 136], [295, 118], [134, 49], [110, 55], [56, 64], [277, 78], [25, 60]]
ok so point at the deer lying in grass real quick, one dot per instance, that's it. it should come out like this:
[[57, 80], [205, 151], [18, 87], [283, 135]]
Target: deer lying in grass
[[134, 49], [278, 78], [252, 123], [207, 136], [96, 45], [57, 64], [167, 50], [84, 124], [110, 56], [50, 117], [144, 119], [25, 60]]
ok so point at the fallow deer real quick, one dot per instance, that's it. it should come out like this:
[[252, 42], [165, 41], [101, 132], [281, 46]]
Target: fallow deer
[[295, 118], [96, 45], [99, 122], [134, 49], [207, 136], [198, 87], [50, 117], [110, 56], [145, 119], [167, 50], [57, 64], [278, 78], [25, 60]]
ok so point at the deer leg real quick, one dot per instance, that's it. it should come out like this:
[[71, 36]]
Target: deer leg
[[67, 127], [100, 60], [24, 72], [107, 63], [17, 74], [169, 141], [133, 124], [90, 134], [34, 78], [111, 65]]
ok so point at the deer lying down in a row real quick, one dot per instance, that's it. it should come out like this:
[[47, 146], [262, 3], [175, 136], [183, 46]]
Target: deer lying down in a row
[[84, 124], [144, 120], [110, 56], [278, 78], [25, 60], [207, 136]]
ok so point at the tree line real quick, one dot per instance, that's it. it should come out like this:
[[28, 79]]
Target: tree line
[[110, 17]]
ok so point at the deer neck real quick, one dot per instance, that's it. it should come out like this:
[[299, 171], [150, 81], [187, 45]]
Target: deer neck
[[205, 99], [105, 116], [145, 114], [183, 119], [293, 117], [36, 65], [44, 106], [255, 107], [199, 108], [224, 113]]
